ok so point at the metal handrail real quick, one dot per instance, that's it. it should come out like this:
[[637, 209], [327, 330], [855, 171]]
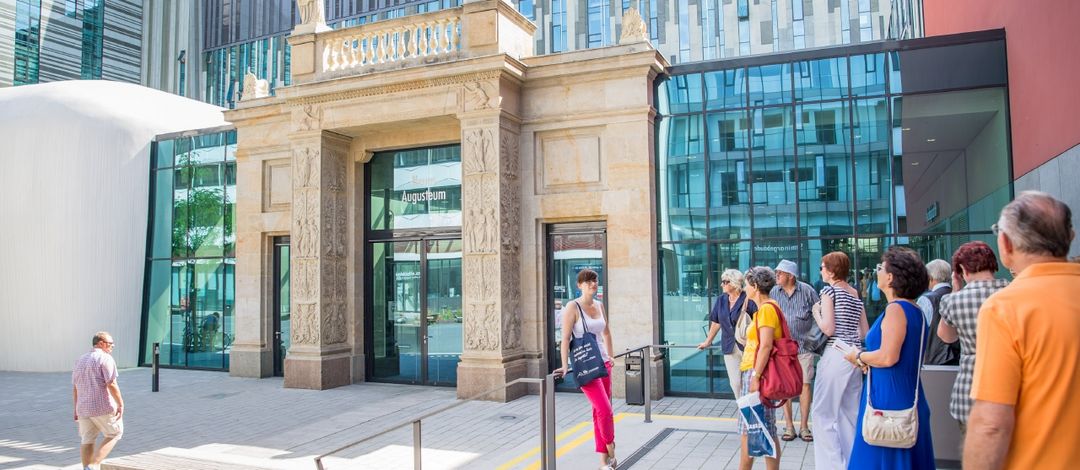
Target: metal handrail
[[547, 423], [646, 367]]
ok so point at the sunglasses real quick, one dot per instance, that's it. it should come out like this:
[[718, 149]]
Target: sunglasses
[[725, 282]]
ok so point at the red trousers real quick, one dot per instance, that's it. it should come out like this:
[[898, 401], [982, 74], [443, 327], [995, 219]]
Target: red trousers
[[599, 394]]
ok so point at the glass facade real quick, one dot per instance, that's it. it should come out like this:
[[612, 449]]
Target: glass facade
[[415, 253], [93, 37], [27, 41], [190, 264], [794, 159]]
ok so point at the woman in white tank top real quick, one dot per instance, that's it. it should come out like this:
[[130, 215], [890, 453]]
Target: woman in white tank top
[[586, 314]]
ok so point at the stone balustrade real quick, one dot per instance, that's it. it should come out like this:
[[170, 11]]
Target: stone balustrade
[[477, 28], [418, 36]]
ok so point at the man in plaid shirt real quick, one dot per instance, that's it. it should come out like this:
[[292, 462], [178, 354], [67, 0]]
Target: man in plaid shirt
[[99, 408]]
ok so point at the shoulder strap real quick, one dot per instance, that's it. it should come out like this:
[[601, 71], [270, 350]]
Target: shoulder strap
[[918, 370], [584, 326]]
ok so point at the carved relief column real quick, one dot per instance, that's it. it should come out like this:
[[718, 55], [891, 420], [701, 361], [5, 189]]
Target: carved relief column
[[493, 352], [319, 356]]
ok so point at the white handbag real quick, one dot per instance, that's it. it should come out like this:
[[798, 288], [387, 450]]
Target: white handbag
[[898, 429]]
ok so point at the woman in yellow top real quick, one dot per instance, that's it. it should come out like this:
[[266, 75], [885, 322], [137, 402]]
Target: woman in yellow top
[[759, 282]]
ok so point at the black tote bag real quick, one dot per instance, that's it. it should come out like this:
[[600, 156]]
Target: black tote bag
[[585, 360]]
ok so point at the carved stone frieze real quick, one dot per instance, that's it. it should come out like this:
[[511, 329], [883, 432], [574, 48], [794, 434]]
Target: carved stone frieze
[[309, 118], [509, 286], [305, 163], [633, 27], [480, 95], [481, 327], [305, 324], [479, 152]]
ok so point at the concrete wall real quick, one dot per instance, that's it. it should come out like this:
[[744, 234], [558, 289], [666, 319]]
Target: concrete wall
[[1058, 177], [74, 212], [169, 27], [1043, 66]]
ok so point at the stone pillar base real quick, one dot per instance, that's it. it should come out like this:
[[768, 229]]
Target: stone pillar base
[[253, 362], [359, 368], [318, 372], [477, 376]]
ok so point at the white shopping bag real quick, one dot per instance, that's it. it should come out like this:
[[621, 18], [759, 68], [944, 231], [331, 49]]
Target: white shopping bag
[[759, 441]]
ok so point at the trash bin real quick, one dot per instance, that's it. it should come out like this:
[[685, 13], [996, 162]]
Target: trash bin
[[635, 385]]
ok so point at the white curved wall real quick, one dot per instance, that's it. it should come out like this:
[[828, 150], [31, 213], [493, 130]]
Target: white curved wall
[[74, 174]]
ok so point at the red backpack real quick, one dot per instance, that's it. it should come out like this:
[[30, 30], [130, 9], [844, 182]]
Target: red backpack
[[782, 379]]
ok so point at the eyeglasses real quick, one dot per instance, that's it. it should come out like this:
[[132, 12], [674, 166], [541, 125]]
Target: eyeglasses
[[110, 343], [997, 230]]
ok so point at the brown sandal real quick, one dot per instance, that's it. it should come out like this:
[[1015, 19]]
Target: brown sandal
[[788, 436], [806, 436]]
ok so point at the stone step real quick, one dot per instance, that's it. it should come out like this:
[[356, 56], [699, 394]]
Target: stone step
[[162, 461]]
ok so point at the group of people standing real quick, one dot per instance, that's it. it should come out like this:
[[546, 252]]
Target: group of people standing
[[1014, 344]]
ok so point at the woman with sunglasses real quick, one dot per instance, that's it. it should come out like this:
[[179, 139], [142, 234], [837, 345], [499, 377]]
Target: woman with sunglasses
[[723, 318], [586, 314]]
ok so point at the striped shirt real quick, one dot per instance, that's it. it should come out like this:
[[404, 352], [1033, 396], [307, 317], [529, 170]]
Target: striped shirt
[[847, 315], [960, 310], [93, 372], [797, 309]]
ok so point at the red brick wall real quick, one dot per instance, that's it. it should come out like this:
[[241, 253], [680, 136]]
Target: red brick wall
[[1043, 42]]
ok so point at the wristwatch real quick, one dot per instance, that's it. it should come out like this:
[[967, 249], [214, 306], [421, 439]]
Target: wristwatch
[[858, 359]]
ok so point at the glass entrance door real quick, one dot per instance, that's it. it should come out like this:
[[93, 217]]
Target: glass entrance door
[[282, 304], [415, 311], [570, 249]]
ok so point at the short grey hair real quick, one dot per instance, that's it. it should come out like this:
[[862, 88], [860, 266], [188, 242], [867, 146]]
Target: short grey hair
[[734, 276], [99, 337], [1038, 224], [761, 277], [939, 270]]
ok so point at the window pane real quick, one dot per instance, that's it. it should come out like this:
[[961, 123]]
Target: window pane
[[954, 159], [680, 94], [874, 188], [682, 178], [158, 302], [770, 84], [416, 188], [685, 314], [868, 253], [203, 331], [161, 233], [821, 79], [729, 187], [824, 171], [726, 89], [163, 154], [868, 74], [773, 178]]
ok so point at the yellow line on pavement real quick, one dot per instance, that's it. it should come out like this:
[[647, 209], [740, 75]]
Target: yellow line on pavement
[[536, 450], [584, 437]]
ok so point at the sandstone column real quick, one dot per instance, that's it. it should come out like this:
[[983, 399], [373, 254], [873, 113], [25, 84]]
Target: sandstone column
[[319, 356], [493, 353]]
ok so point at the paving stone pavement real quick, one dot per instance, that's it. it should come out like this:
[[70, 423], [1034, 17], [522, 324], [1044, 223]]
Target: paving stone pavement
[[212, 421]]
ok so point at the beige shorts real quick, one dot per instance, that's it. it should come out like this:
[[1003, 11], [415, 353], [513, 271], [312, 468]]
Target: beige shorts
[[808, 362], [109, 425]]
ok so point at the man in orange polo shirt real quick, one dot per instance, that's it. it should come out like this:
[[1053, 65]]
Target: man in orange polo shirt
[[1027, 358]]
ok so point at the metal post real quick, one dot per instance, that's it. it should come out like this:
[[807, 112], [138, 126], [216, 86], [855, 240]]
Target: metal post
[[416, 445], [547, 423], [155, 365], [646, 375]]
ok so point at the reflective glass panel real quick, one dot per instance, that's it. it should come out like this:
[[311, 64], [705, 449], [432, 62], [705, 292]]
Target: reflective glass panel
[[729, 188], [824, 169], [162, 223], [810, 258], [773, 176], [680, 94], [181, 315], [206, 211], [682, 178], [444, 312], [868, 253], [868, 74], [203, 331], [874, 188], [156, 323], [418, 188], [396, 329], [770, 84], [685, 304], [725, 89], [163, 154], [821, 79]]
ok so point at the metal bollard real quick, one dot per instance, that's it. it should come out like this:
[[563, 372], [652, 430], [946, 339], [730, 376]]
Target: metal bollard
[[417, 447], [156, 366], [646, 375], [547, 423]]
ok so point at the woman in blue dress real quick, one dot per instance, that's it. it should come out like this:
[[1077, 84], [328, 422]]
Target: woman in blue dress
[[892, 357]]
